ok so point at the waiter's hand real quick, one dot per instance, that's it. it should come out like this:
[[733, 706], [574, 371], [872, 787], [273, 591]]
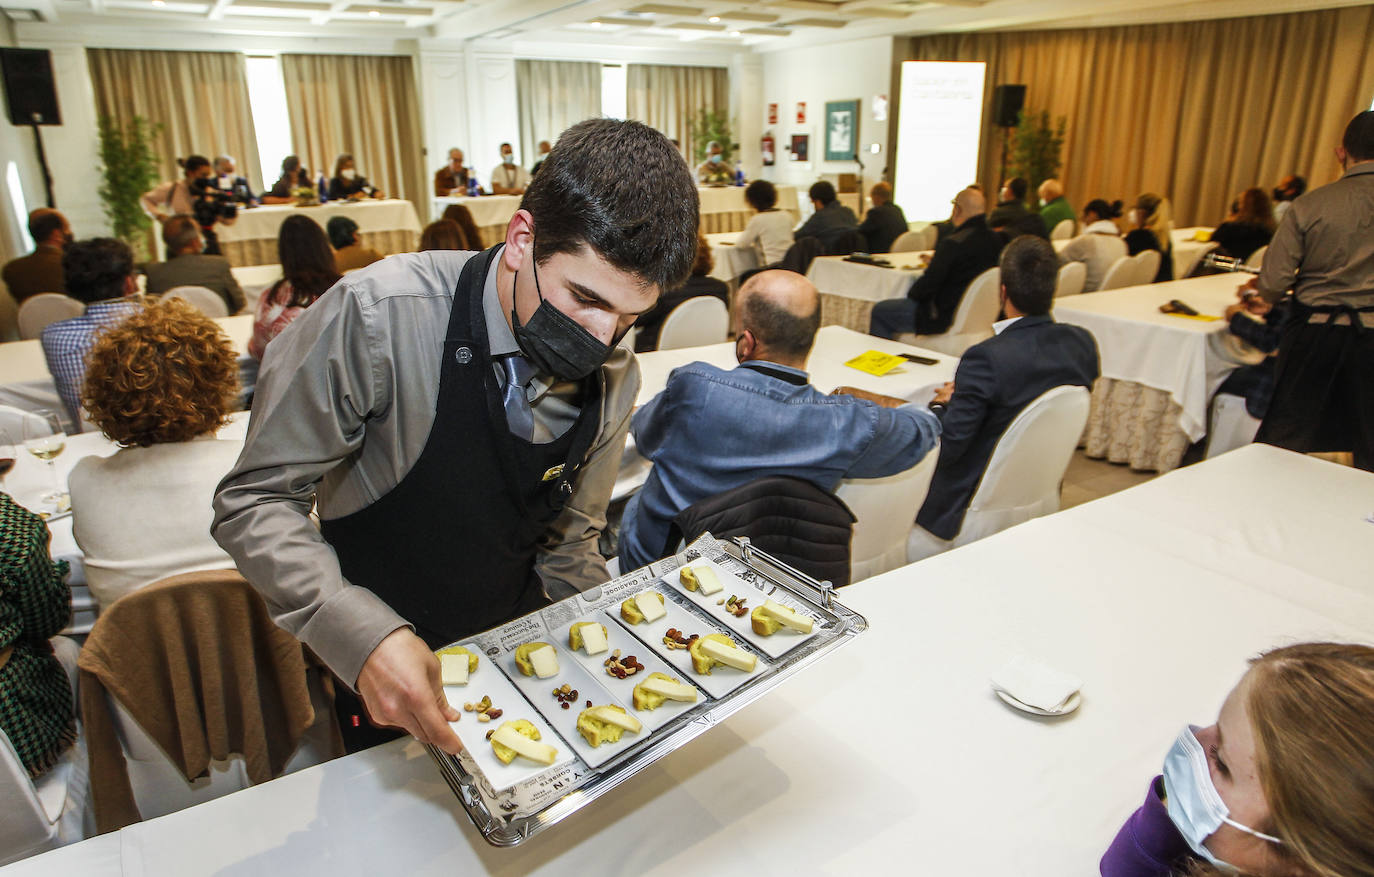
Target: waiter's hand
[[400, 687]]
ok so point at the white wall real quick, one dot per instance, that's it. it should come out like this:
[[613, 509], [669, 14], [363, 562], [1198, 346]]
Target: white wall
[[17, 145], [842, 71]]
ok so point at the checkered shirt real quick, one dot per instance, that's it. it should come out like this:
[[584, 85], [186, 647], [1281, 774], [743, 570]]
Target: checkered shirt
[[66, 343]]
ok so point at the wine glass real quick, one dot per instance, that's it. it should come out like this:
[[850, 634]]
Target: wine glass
[[7, 452], [44, 437]]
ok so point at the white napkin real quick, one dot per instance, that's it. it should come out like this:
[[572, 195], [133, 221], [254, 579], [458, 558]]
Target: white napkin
[[1035, 684]]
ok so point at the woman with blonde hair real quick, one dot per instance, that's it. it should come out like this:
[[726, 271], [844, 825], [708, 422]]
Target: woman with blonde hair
[[1282, 784], [1154, 227], [160, 384]]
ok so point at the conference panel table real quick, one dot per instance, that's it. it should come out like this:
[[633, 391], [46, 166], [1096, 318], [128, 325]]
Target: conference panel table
[[850, 289], [894, 748], [389, 225], [1158, 371]]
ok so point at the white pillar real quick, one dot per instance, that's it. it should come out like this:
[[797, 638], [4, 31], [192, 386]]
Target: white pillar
[[747, 110]]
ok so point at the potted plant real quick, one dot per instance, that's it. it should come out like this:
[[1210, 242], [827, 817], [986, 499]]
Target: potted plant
[[131, 167], [711, 125], [1036, 149]]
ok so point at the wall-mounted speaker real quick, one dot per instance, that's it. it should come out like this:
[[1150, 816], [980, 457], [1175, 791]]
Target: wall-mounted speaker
[[30, 91], [1007, 101]]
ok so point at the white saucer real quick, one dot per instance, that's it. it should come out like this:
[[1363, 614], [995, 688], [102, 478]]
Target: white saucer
[[1069, 705]]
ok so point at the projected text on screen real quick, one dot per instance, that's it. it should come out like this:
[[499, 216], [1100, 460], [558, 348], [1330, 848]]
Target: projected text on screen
[[938, 131]]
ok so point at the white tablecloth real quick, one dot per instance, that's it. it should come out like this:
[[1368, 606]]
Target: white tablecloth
[[390, 225], [850, 289], [729, 260], [723, 208], [491, 213], [964, 784], [1188, 250]]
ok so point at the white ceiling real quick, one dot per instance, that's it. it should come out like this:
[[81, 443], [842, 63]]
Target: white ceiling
[[742, 25]]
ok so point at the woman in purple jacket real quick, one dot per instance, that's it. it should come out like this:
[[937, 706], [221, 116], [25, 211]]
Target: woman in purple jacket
[[1282, 784]]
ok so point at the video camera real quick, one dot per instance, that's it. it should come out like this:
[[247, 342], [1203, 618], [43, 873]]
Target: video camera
[[209, 204]]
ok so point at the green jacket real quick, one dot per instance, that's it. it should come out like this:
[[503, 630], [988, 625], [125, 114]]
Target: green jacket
[[1056, 212]]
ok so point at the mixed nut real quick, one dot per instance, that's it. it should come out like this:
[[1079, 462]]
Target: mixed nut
[[677, 640], [622, 668], [483, 708], [566, 695], [736, 606]]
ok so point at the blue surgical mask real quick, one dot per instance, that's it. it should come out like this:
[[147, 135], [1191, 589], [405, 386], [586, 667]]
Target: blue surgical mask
[[1195, 806], [508, 159], [715, 159]]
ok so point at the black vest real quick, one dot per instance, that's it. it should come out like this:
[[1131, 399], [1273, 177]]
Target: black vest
[[451, 547]]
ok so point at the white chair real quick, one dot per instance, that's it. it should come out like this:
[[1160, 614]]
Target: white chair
[[1184, 266], [973, 319], [1146, 267], [39, 311], [909, 242], [1024, 474], [697, 321], [1232, 425], [1064, 230], [1121, 274], [202, 298], [884, 509], [1072, 276], [12, 421], [1256, 259]]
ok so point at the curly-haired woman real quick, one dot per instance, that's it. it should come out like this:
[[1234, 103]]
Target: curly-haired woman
[[159, 385]]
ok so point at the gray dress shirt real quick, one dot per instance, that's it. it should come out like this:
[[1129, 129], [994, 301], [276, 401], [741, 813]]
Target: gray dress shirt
[[343, 408]]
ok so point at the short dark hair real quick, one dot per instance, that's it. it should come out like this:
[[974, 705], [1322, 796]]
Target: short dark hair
[[1102, 210], [1359, 137], [1029, 270], [341, 230], [761, 195], [777, 328], [1298, 186], [43, 224], [179, 231], [95, 269], [290, 164], [823, 192], [1019, 187], [643, 223], [307, 262], [192, 163]]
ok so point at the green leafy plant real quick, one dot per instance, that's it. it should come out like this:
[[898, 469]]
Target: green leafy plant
[[711, 125], [131, 167], [1037, 149]]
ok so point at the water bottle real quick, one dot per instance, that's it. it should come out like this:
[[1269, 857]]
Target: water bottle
[[472, 185], [323, 188], [739, 173]]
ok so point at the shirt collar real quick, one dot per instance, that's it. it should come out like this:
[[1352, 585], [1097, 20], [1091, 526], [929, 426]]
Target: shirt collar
[[1103, 226], [96, 307], [1001, 325], [500, 339], [1364, 167], [773, 369]]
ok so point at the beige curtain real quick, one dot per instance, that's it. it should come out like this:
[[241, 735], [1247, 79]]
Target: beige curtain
[[1196, 111], [552, 96], [199, 98], [669, 99], [361, 104]]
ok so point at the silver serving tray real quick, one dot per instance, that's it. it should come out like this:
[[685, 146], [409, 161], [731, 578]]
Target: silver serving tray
[[509, 816]]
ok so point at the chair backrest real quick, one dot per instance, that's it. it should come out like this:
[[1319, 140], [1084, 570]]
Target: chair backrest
[[1026, 468], [1231, 427], [1146, 266], [799, 256], [1256, 259], [883, 510], [39, 311], [26, 829], [1064, 230], [978, 308], [843, 242], [1186, 261], [1122, 273], [697, 321], [909, 242], [1072, 276], [202, 298]]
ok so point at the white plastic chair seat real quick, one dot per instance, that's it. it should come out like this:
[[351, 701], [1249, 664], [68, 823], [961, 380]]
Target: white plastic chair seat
[[13, 421], [1256, 259], [42, 310], [1121, 274], [1064, 230], [973, 318], [1232, 425], [909, 242], [202, 298], [1146, 267], [884, 509], [1185, 266], [696, 322], [1072, 278]]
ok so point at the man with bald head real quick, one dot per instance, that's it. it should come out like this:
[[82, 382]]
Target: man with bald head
[[930, 303], [712, 429], [1054, 207], [41, 270]]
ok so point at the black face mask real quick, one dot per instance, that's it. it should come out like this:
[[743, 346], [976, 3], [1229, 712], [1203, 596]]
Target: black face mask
[[557, 344]]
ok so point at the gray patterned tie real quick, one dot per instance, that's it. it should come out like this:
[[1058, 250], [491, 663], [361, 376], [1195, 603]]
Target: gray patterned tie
[[517, 404]]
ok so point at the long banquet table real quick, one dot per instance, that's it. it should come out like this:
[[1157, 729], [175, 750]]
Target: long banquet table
[[389, 226], [850, 289], [894, 749]]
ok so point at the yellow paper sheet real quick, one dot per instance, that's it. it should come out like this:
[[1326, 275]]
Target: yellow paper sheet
[[875, 362]]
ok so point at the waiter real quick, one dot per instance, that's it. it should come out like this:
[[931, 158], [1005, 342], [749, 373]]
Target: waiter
[[1324, 251], [459, 419]]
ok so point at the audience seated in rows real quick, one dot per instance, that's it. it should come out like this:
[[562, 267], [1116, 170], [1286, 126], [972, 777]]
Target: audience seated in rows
[[1054, 207], [1153, 230], [159, 385], [830, 221], [293, 176], [41, 270], [765, 419], [884, 222], [1029, 354], [349, 252], [472, 235], [1250, 226], [930, 303], [188, 265], [769, 230], [37, 710], [509, 178], [100, 273], [698, 284], [308, 269], [1100, 244], [1289, 189], [1011, 216], [348, 184], [1288, 763], [442, 234], [452, 178]]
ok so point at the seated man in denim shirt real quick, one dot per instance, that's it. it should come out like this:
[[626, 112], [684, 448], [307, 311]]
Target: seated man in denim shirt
[[712, 430]]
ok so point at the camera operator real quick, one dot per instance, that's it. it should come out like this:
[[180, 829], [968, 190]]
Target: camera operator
[[194, 194]]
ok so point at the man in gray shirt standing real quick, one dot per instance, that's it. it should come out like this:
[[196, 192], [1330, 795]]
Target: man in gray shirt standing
[[459, 419], [1323, 250]]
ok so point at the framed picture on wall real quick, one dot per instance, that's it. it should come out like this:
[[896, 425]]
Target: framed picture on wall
[[801, 147], [841, 130]]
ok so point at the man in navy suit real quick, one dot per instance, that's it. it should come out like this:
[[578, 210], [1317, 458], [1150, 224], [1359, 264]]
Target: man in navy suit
[[1029, 354]]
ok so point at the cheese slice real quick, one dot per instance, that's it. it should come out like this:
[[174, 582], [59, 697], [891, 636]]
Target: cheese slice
[[707, 580], [453, 669], [728, 655], [670, 689], [531, 749], [786, 617], [650, 605], [545, 663], [593, 638], [615, 717]]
